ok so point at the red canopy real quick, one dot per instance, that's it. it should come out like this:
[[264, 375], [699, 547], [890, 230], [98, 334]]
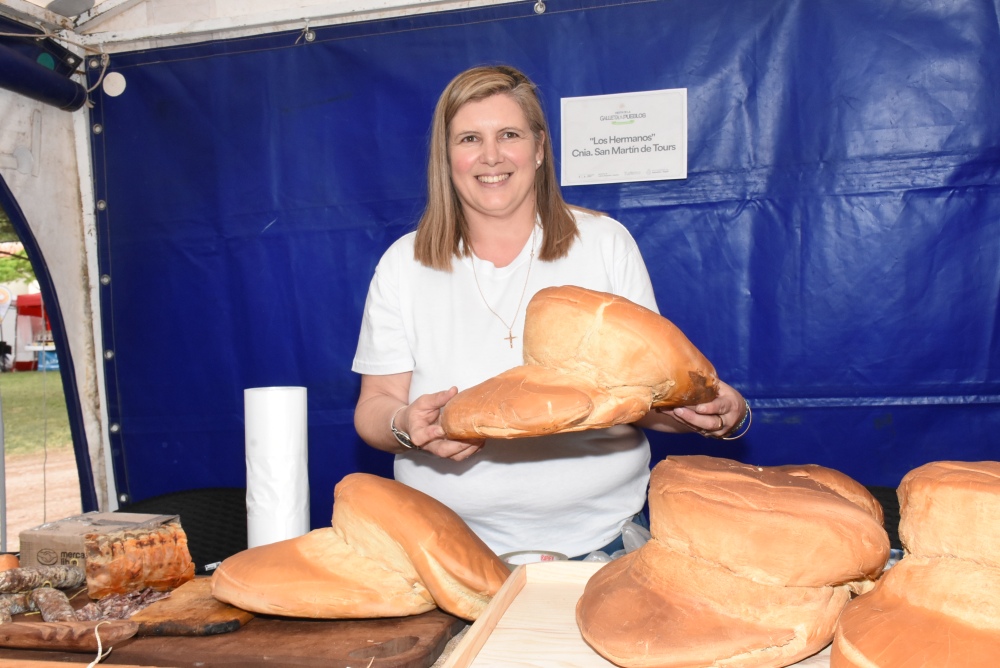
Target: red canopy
[[31, 305]]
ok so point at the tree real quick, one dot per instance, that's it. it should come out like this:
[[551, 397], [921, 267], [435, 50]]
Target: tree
[[7, 232], [13, 266]]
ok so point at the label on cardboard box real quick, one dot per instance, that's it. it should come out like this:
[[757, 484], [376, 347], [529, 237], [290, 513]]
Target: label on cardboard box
[[61, 543]]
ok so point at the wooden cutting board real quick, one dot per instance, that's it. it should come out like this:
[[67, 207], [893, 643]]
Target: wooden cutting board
[[270, 642], [190, 629], [67, 636], [531, 623], [190, 610], [265, 642]]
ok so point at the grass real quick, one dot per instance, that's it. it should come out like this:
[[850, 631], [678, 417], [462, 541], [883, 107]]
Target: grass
[[34, 411]]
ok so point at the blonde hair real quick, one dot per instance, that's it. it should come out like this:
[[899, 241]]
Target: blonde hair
[[443, 232]]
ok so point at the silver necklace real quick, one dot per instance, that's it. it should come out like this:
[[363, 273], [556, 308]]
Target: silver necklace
[[510, 328]]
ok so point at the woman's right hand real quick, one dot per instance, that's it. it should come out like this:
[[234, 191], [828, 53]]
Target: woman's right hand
[[383, 402], [421, 421]]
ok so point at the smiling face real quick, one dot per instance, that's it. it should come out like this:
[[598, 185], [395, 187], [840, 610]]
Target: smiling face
[[493, 156]]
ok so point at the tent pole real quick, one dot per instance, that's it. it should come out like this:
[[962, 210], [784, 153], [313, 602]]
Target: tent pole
[[3, 484]]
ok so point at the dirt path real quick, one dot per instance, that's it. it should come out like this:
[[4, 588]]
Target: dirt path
[[40, 488]]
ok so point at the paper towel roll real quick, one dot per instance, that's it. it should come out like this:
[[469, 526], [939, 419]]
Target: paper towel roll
[[277, 463]]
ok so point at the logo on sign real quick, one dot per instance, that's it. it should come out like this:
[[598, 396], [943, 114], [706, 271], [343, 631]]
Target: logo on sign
[[47, 557]]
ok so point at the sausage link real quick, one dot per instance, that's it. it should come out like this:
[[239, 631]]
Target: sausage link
[[26, 579], [53, 604]]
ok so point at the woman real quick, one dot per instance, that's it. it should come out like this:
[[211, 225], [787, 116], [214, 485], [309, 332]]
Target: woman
[[445, 309]]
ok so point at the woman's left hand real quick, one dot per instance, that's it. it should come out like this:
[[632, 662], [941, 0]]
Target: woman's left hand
[[715, 418]]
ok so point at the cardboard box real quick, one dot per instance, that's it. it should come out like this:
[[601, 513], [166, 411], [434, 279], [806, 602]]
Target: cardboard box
[[62, 543]]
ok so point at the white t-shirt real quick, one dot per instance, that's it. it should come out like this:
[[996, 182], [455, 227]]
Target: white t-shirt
[[569, 493]]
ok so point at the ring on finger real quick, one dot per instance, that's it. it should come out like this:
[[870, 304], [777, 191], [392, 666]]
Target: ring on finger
[[722, 423]]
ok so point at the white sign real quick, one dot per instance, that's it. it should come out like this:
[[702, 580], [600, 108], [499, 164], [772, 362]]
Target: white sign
[[625, 137]]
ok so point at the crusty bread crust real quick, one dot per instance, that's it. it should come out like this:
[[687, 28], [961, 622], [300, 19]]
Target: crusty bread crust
[[316, 576], [659, 607], [940, 605], [392, 551], [747, 566], [772, 525], [925, 611], [591, 360], [416, 534], [838, 482], [952, 509]]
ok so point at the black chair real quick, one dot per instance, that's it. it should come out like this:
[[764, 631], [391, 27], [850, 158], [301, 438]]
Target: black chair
[[214, 519], [890, 508]]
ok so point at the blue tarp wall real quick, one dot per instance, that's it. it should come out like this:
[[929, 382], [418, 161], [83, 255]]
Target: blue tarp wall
[[835, 249]]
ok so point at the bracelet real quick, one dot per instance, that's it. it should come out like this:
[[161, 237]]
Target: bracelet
[[401, 436], [747, 421]]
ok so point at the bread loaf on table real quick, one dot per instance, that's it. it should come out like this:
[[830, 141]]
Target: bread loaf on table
[[420, 537], [591, 360], [392, 551], [657, 607], [925, 613], [952, 509], [842, 484], [939, 607], [776, 525], [747, 567], [318, 576]]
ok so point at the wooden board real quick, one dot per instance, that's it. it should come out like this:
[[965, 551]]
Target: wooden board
[[32, 663], [190, 610], [69, 636], [532, 622], [266, 642]]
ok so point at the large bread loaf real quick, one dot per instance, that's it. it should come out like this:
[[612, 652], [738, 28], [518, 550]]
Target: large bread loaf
[[925, 613], [939, 607], [659, 607], [775, 525], [392, 551], [591, 360], [747, 567], [317, 576], [952, 509], [420, 537]]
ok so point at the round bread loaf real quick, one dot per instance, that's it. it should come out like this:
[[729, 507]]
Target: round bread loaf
[[952, 509], [837, 482], [419, 536], [536, 400], [392, 551], [317, 576], [774, 525], [591, 360], [616, 343], [925, 612], [523, 401], [658, 607]]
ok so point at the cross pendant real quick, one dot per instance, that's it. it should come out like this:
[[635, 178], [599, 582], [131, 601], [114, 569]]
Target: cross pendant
[[510, 338]]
